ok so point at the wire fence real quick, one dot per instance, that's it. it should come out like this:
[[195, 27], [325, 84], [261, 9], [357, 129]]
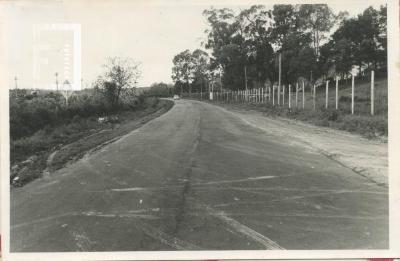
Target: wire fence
[[353, 96]]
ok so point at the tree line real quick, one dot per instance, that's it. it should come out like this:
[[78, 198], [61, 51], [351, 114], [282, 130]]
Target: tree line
[[242, 49]]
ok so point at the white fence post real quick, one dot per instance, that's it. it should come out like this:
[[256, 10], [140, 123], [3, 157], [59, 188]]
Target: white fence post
[[279, 94], [273, 96], [372, 92], [352, 94], [314, 94], [337, 93], [283, 92], [269, 92], [262, 95], [290, 93], [303, 95], [297, 92], [326, 94]]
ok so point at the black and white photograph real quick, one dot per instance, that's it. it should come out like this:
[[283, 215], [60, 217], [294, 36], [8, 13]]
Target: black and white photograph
[[199, 129]]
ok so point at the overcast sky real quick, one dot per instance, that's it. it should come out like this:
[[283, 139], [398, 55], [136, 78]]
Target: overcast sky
[[150, 32]]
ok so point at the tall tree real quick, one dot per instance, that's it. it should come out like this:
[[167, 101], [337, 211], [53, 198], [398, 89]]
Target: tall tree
[[200, 66], [183, 69], [318, 19]]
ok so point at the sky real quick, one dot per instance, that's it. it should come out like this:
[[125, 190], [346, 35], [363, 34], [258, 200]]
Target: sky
[[150, 32]]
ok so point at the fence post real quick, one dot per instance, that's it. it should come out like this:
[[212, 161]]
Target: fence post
[[258, 95], [314, 94], [372, 92], [262, 95], [279, 94], [297, 91], [283, 92], [290, 92], [273, 96], [352, 94], [303, 95], [337, 93], [326, 94]]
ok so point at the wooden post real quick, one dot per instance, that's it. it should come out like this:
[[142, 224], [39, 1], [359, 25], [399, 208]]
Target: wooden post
[[303, 95], [326, 94], [297, 91], [290, 92], [352, 94], [283, 92], [337, 93], [314, 94], [273, 96], [279, 94], [269, 92], [262, 95], [279, 77], [372, 92], [245, 77]]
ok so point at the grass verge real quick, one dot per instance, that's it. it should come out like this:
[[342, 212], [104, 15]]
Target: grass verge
[[372, 127], [52, 148]]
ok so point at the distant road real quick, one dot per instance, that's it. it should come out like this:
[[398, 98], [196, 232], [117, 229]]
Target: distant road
[[200, 178]]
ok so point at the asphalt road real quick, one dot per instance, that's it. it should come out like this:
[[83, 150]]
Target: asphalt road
[[199, 178]]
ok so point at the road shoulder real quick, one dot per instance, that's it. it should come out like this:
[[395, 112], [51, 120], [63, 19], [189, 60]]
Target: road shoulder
[[368, 158]]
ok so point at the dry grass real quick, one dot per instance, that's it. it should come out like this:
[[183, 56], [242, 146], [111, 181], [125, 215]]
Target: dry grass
[[70, 141], [362, 122]]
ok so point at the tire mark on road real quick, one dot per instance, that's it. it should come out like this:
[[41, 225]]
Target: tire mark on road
[[311, 216], [171, 241], [239, 227]]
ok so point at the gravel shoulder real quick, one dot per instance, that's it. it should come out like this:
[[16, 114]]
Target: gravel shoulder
[[366, 157]]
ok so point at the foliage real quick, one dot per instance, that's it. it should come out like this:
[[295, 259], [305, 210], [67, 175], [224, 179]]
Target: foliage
[[28, 113], [160, 90], [120, 74], [247, 44], [191, 70]]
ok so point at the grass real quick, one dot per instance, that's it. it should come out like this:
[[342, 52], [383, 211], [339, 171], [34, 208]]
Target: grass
[[53, 147], [361, 122]]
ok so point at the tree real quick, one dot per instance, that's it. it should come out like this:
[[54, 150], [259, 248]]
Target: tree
[[183, 69], [365, 38], [120, 73], [200, 68], [160, 89], [317, 19]]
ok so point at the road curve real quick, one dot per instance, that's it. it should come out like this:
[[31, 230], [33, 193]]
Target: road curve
[[199, 178]]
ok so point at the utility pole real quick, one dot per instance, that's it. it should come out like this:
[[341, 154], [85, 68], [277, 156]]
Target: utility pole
[[326, 94], [56, 74], [16, 85], [337, 93], [280, 69], [245, 76], [352, 93], [279, 79], [245, 79], [372, 92]]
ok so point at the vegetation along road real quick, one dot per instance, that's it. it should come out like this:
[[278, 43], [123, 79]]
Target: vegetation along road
[[200, 177]]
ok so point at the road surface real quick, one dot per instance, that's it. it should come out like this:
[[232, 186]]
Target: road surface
[[200, 178]]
